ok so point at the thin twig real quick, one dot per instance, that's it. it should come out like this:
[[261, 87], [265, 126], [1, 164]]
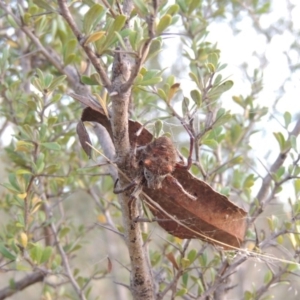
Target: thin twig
[[65, 12]]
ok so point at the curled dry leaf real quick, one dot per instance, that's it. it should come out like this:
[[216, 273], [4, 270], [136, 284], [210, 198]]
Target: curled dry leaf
[[109, 265], [84, 138], [171, 258], [212, 217]]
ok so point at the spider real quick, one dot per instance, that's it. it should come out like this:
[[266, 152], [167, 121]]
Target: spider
[[153, 163]]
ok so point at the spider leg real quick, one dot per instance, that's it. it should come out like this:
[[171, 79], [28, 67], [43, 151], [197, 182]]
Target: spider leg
[[124, 189]]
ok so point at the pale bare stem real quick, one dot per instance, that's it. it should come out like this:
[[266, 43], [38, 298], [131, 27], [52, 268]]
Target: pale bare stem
[[111, 229], [218, 155], [225, 271], [266, 242], [141, 286], [22, 284], [107, 147], [65, 12], [63, 254], [33, 38], [171, 286], [266, 288], [111, 10], [26, 204], [263, 195], [142, 55], [65, 259], [49, 54]]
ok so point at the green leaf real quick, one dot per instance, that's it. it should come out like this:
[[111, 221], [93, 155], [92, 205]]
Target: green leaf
[[264, 9], [51, 120], [23, 171], [203, 260], [222, 117], [280, 139], [140, 5], [10, 188], [192, 255], [194, 78], [217, 79], [6, 253], [158, 127], [173, 9], [52, 146], [64, 231], [249, 181], [88, 80], [161, 93], [238, 100], [210, 143], [194, 4], [47, 80], [69, 59], [248, 296], [185, 278], [287, 118], [273, 222], [121, 40], [13, 180], [164, 22], [293, 140], [211, 68], [268, 277], [297, 186], [197, 97], [52, 169], [155, 48], [213, 59], [36, 253], [216, 92], [43, 4], [236, 133], [92, 17], [117, 25], [12, 21], [22, 146], [56, 82], [69, 50], [181, 292], [151, 81], [46, 254]]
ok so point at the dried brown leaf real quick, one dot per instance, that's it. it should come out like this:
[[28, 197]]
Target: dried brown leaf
[[211, 217]]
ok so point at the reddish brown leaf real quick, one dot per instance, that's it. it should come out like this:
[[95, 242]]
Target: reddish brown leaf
[[211, 217], [109, 265], [84, 138], [171, 258]]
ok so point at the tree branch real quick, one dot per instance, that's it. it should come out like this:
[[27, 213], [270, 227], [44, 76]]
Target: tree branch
[[65, 12], [22, 284], [263, 193]]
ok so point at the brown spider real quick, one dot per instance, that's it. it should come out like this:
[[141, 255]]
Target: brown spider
[[153, 163]]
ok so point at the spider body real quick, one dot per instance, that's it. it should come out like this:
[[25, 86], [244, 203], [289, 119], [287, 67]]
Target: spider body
[[152, 163], [158, 160]]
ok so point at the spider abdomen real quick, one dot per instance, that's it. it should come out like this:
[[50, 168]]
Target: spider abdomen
[[160, 156]]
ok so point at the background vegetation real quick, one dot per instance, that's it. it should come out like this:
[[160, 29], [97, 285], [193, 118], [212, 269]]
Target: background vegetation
[[61, 225]]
